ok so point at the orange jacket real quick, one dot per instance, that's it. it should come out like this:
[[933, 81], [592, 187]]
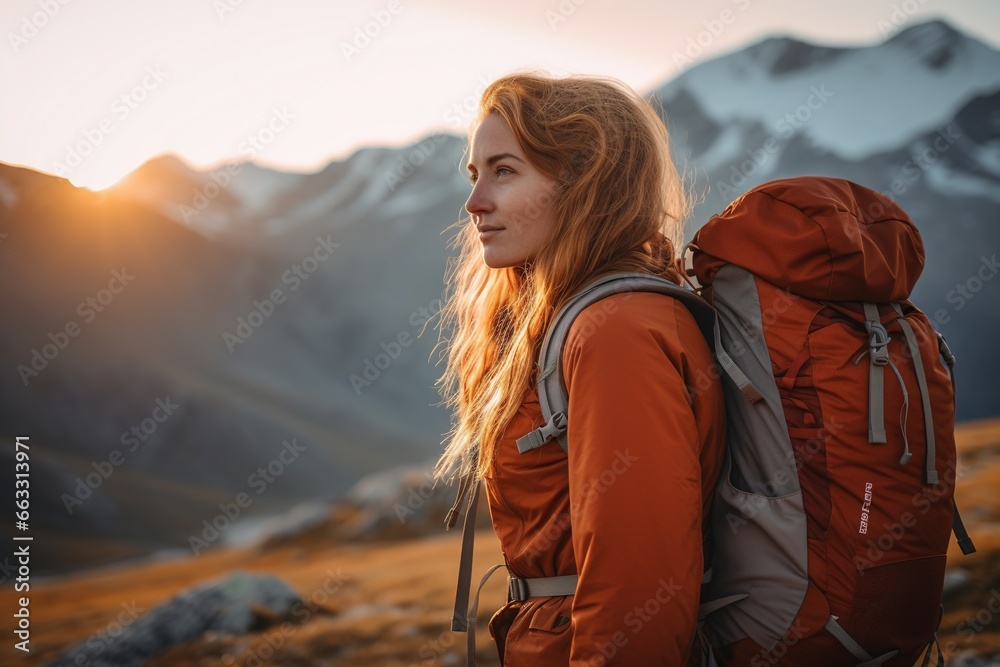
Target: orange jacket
[[624, 510]]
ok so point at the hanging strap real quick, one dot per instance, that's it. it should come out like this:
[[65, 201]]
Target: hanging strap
[[949, 358], [463, 489], [735, 373], [957, 525], [704, 610], [878, 351], [705, 648], [470, 650], [469, 484], [855, 648], [463, 618], [934, 644], [904, 412], [518, 588], [961, 534], [930, 467], [707, 608], [931, 477]]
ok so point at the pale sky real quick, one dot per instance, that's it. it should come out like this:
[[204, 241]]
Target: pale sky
[[91, 89]]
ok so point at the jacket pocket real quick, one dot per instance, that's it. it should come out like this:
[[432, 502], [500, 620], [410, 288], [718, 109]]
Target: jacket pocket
[[551, 615], [540, 636], [499, 626]]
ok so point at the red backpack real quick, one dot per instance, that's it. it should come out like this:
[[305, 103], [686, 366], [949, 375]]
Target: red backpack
[[832, 516]]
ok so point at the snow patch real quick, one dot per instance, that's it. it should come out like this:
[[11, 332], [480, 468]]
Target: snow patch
[[386, 486], [257, 529], [359, 190], [724, 149], [866, 101], [947, 181], [988, 157], [256, 187]]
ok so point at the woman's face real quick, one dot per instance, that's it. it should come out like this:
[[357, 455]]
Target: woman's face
[[511, 203]]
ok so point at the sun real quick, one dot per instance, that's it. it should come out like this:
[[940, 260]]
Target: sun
[[96, 178]]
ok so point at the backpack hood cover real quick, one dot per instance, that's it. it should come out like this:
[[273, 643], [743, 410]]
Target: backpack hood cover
[[828, 238]]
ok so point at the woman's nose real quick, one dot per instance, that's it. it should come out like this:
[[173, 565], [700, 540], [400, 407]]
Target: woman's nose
[[478, 202]]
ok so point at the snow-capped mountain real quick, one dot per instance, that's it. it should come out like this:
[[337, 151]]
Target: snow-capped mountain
[[853, 103], [244, 203], [274, 306], [916, 117]]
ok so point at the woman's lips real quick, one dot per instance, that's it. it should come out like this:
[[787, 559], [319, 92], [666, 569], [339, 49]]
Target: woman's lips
[[488, 234]]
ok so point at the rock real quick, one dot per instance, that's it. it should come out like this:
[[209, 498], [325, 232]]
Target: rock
[[973, 660], [955, 579], [232, 605], [401, 502]]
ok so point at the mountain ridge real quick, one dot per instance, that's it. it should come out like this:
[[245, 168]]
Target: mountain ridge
[[329, 276]]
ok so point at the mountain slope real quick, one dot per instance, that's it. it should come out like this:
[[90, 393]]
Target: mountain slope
[[272, 306]]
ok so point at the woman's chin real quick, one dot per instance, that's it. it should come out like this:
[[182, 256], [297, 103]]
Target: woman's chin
[[498, 260]]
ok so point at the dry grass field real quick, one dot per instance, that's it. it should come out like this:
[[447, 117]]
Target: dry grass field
[[389, 603]]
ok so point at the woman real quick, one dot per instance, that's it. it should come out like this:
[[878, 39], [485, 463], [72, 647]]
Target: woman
[[571, 178]]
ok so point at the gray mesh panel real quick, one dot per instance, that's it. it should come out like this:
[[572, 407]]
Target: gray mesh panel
[[759, 524]]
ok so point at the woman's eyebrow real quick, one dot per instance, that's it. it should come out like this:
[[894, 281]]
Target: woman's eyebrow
[[490, 161]]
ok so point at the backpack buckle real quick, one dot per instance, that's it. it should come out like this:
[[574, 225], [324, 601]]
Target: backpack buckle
[[517, 589], [878, 343], [555, 427], [949, 357]]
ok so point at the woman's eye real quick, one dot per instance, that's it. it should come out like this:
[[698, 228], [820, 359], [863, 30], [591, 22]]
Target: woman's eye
[[499, 171]]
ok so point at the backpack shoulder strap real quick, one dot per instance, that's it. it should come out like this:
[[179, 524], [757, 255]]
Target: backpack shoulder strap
[[551, 388]]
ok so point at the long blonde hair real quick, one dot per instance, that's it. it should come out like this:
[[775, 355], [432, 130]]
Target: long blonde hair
[[619, 205]]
